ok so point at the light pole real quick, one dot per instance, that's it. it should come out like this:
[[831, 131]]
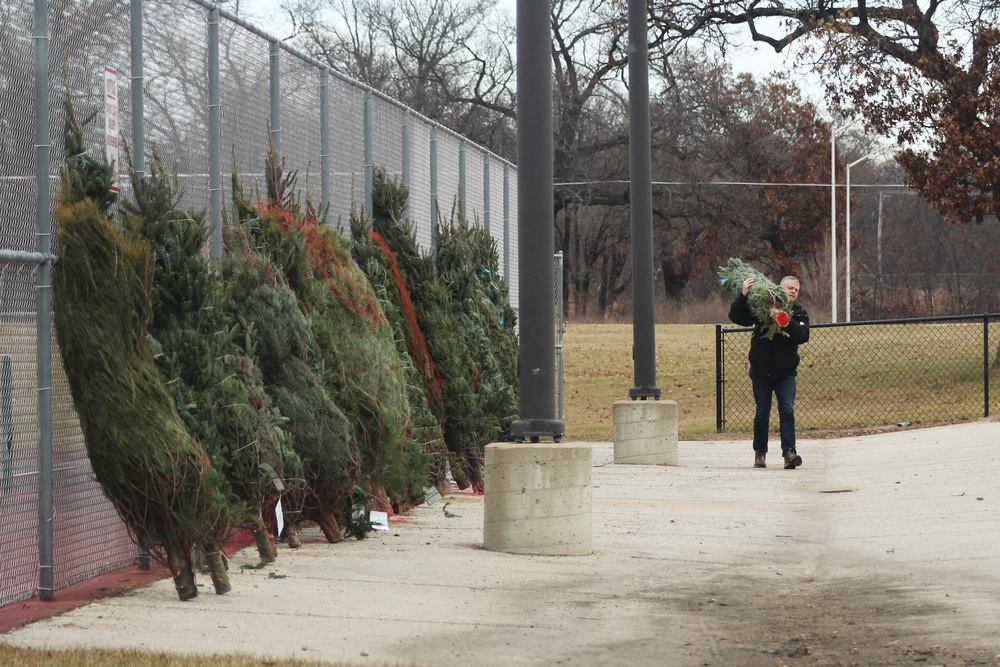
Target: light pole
[[834, 133], [847, 238]]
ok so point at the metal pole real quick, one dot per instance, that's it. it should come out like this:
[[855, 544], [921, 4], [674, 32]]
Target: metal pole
[[986, 365], [406, 160], [833, 225], [274, 72], [486, 192], [847, 238], [847, 248], [137, 92], [324, 138], [369, 159], [641, 200], [535, 206], [214, 142], [719, 379], [560, 330], [434, 187], [506, 223], [46, 553], [461, 179]]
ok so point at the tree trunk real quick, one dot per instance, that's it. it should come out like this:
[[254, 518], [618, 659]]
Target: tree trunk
[[292, 536], [216, 563], [182, 570], [474, 465], [458, 473], [265, 547], [330, 527]]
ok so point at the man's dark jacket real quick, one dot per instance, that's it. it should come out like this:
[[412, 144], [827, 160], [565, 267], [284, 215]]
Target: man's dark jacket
[[778, 356]]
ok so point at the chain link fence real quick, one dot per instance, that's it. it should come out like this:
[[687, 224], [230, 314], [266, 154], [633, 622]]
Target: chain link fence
[[216, 93], [869, 374], [88, 536]]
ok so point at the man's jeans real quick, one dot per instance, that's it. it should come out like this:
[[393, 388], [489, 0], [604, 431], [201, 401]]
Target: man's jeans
[[783, 389]]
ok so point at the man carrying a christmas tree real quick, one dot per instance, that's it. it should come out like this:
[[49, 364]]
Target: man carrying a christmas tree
[[774, 357]]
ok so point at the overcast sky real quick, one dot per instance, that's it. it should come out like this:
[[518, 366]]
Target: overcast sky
[[759, 60]]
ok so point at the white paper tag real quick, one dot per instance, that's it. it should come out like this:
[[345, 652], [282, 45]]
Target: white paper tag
[[378, 520], [279, 516]]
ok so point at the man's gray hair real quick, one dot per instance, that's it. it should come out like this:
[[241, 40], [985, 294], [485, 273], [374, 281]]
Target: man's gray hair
[[790, 279]]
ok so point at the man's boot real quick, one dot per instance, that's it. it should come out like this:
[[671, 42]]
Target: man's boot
[[758, 459], [792, 459]]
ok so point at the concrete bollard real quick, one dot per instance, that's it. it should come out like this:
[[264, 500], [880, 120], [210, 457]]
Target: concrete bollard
[[537, 498], [646, 432]]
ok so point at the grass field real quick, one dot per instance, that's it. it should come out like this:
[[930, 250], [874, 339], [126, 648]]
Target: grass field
[[599, 371], [852, 379]]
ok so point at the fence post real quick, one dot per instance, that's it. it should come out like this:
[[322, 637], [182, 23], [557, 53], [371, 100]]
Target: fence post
[[461, 179], [506, 223], [136, 88], [406, 161], [274, 72], [560, 331], [434, 188], [369, 158], [719, 379], [986, 365], [324, 139], [486, 192], [43, 304], [214, 142], [136, 91]]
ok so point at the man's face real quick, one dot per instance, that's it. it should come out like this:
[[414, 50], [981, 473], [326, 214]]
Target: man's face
[[791, 289]]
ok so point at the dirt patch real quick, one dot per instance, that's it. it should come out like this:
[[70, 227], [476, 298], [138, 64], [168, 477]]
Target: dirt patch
[[845, 622]]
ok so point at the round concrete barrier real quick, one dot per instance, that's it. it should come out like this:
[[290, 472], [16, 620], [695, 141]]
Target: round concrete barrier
[[646, 432], [537, 498]]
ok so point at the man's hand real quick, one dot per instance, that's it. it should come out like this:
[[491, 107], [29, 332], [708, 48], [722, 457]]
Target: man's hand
[[747, 284]]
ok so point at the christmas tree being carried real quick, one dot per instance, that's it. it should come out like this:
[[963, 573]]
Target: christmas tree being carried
[[768, 302]]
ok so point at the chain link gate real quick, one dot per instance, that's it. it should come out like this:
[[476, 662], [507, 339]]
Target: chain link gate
[[865, 374]]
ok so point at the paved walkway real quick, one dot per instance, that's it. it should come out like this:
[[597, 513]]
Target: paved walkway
[[885, 548]]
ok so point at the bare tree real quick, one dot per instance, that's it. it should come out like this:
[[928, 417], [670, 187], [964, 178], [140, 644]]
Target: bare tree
[[926, 74]]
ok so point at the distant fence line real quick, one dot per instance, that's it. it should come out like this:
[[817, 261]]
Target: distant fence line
[[870, 374], [216, 93]]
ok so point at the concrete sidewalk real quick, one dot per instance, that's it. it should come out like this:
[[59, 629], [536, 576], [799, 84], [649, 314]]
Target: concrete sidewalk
[[879, 550]]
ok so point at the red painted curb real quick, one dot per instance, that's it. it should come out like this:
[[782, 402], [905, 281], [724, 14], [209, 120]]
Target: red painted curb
[[21, 613]]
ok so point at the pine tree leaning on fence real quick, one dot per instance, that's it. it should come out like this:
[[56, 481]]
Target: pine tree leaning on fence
[[159, 479], [468, 265], [440, 334], [217, 388], [768, 302], [362, 370], [282, 346], [423, 383]]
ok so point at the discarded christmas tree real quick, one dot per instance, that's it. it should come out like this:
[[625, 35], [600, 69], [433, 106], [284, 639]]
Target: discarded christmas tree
[[159, 479], [468, 265], [353, 338], [283, 348], [425, 386], [439, 343], [768, 302], [217, 388]]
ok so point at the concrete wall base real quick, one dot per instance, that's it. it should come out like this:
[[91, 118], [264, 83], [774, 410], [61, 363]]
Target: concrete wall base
[[538, 498], [646, 432]]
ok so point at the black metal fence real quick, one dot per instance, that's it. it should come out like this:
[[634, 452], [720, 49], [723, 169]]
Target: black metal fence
[[871, 374]]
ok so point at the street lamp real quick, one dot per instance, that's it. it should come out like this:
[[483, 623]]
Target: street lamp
[[847, 236]]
